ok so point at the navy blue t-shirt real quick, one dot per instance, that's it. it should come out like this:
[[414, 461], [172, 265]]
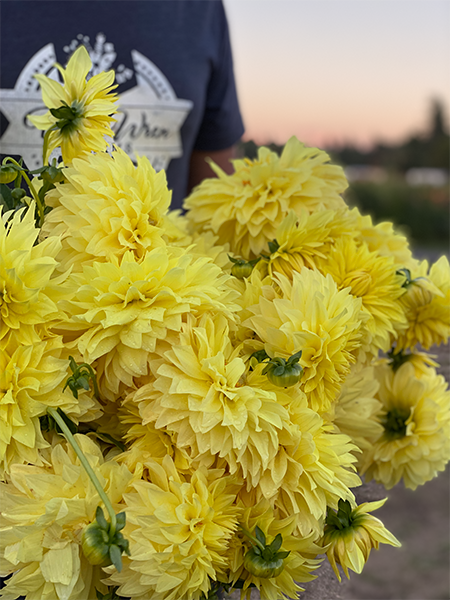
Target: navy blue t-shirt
[[173, 64]]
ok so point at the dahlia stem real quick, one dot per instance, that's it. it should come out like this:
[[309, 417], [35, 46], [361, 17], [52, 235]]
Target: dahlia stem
[[39, 204], [45, 146], [252, 537], [87, 467]]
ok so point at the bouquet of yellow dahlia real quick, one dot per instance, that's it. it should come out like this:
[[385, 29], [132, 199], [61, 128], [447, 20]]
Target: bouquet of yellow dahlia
[[187, 400]]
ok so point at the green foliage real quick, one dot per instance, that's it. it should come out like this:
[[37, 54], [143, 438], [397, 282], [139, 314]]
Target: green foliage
[[422, 213], [48, 423], [397, 359], [110, 595]]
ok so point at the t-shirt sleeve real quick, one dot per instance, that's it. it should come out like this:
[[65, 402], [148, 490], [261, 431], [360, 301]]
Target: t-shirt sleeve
[[222, 124]]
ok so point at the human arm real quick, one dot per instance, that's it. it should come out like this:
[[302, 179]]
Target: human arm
[[199, 168]]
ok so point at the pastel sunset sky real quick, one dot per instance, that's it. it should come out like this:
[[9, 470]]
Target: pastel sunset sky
[[333, 71]]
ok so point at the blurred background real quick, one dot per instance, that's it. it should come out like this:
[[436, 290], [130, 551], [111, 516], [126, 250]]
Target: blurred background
[[366, 80], [369, 82]]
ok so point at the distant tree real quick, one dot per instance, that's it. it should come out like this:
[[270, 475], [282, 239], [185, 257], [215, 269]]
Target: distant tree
[[431, 149], [438, 124], [248, 149]]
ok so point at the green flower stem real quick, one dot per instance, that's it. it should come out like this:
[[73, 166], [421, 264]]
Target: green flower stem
[[252, 538], [31, 186], [87, 467], [45, 147]]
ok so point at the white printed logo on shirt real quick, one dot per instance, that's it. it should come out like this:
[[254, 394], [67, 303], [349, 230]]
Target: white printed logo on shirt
[[149, 119]]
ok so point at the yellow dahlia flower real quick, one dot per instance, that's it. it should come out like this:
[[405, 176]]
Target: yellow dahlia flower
[[107, 206], [421, 361], [121, 308], [314, 465], [372, 278], [313, 316], [44, 512], [204, 244], [32, 379], [357, 408], [351, 534], [246, 208], [249, 291], [29, 289], [145, 441], [80, 111], [297, 566], [427, 306], [300, 240], [415, 444], [203, 393], [385, 240], [179, 530]]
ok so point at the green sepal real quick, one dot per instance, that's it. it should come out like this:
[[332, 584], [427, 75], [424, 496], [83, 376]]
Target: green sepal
[[274, 363], [115, 554], [100, 518], [397, 359], [332, 520], [342, 518], [260, 536], [283, 554], [81, 375], [267, 553], [276, 543], [292, 360], [50, 173], [63, 112], [67, 116], [407, 274], [260, 355], [273, 246], [242, 261], [121, 520], [83, 383]]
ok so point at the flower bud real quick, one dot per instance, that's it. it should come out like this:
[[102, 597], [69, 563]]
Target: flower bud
[[7, 173], [284, 373], [259, 566], [95, 545], [102, 546], [242, 268], [18, 194], [265, 560]]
